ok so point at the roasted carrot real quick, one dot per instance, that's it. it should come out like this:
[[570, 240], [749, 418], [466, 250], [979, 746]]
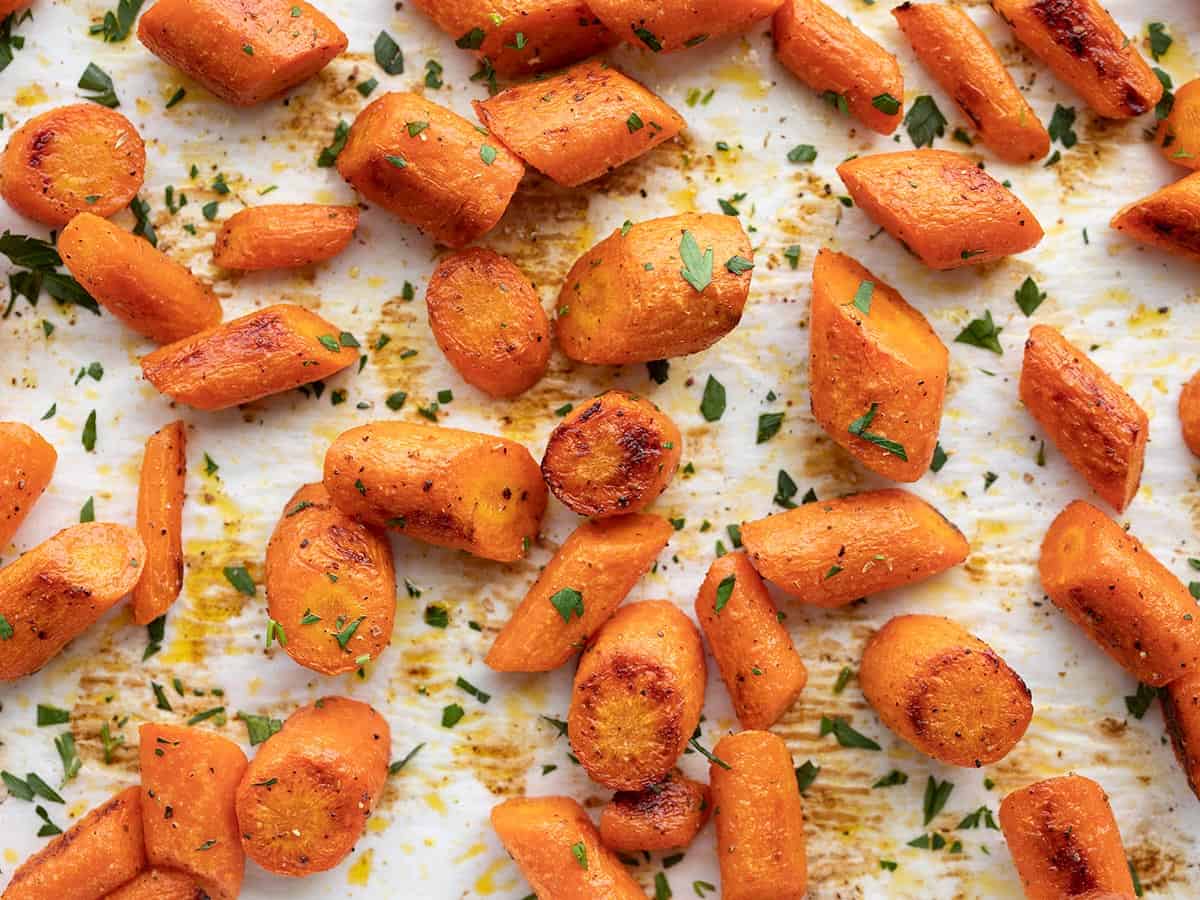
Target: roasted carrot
[[1128, 602], [612, 455], [331, 584], [829, 54], [1181, 715], [941, 206], [600, 563], [579, 125], [139, 284], [443, 486], [878, 371], [832, 552], [661, 817], [77, 158], [1098, 427], [667, 27], [944, 691], [1169, 218], [27, 462], [963, 61], [306, 796], [7, 6], [1189, 413], [160, 522], [97, 854], [759, 818], [628, 300], [430, 167], [56, 591], [244, 51], [265, 352], [189, 778], [521, 36], [760, 667], [487, 318], [557, 849], [284, 235], [1084, 47], [637, 695], [1064, 840], [160, 884], [1179, 132]]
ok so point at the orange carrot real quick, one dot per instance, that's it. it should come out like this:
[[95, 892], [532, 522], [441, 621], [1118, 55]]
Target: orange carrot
[[1179, 133], [1181, 716], [160, 522], [189, 777], [1189, 413], [601, 562], [1166, 219], [283, 235], [27, 463], [661, 817], [160, 884], [667, 27]]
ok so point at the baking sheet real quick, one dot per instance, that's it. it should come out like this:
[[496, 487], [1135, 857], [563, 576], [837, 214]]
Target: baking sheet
[[429, 837]]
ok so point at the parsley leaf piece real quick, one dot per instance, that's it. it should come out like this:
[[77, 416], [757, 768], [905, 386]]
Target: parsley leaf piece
[[568, 601], [724, 592], [924, 121], [712, 404], [982, 333], [697, 267], [846, 736], [1029, 297], [388, 55], [859, 427]]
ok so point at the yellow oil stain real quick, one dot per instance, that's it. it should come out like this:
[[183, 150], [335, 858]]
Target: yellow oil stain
[[585, 238], [1145, 317], [486, 885], [436, 803], [683, 200], [747, 78], [991, 529], [1160, 384], [376, 824], [30, 95], [10, 856], [471, 852], [375, 282], [212, 600], [360, 872], [143, 105]]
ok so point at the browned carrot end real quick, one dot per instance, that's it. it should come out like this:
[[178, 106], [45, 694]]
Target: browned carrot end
[[27, 462], [664, 816], [1189, 413], [1166, 219], [159, 884], [1179, 133], [160, 522], [1181, 715], [284, 235]]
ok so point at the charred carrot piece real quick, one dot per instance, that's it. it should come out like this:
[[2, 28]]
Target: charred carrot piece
[[1098, 427], [1126, 601], [1169, 218], [1181, 715], [1064, 840], [557, 849], [159, 884], [189, 778], [60, 588], [97, 854], [160, 522], [1179, 133], [661, 817], [264, 352], [600, 562], [284, 235], [759, 818], [27, 462]]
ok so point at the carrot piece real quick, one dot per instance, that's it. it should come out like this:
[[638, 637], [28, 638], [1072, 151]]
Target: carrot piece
[[1181, 716], [160, 884], [447, 178], [244, 51], [612, 455], [661, 817], [443, 486], [579, 125], [959, 56], [1169, 218], [1128, 602], [27, 462], [832, 552], [160, 522], [321, 562], [601, 561], [306, 797], [1064, 840], [873, 355], [487, 318], [97, 854], [139, 284], [559, 852], [944, 691], [1084, 47], [284, 235], [667, 27], [759, 818], [7, 6], [1189, 413], [56, 591], [1098, 427], [828, 53], [626, 300], [72, 159], [637, 695], [521, 36], [189, 778], [759, 664], [265, 352], [1179, 133], [942, 206]]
